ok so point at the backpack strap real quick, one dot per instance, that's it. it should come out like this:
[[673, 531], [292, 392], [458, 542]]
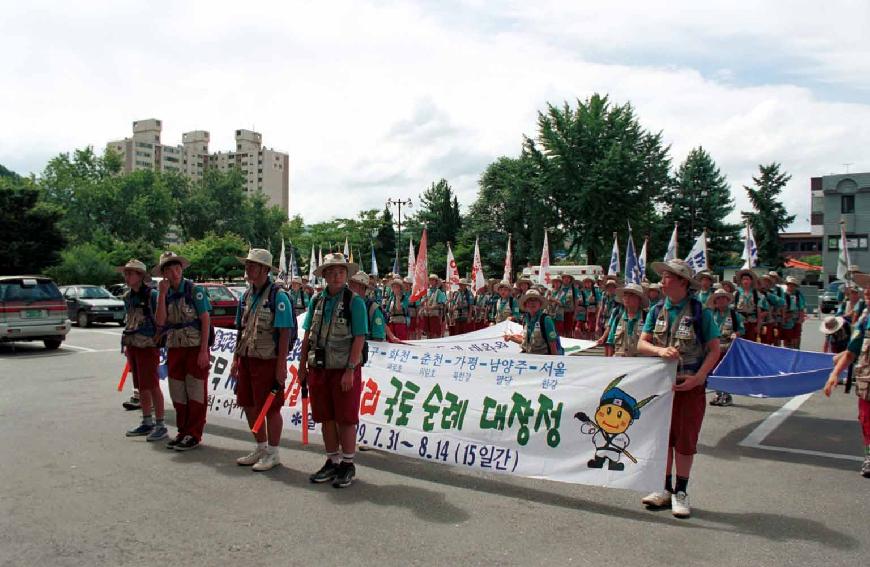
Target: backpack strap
[[698, 319]]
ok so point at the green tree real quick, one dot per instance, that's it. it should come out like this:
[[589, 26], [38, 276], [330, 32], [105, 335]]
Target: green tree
[[597, 169], [385, 242], [29, 232], [700, 198], [439, 211], [84, 264], [770, 217], [214, 256]]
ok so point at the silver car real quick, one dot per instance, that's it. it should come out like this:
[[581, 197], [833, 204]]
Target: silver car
[[92, 304], [32, 309]]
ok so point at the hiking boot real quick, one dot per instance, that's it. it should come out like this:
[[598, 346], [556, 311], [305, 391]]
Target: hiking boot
[[865, 468], [325, 474], [717, 399], [189, 442], [615, 466], [596, 463], [267, 462], [658, 499], [171, 445], [727, 400], [344, 475], [251, 458], [159, 433], [132, 404], [680, 505], [140, 430]]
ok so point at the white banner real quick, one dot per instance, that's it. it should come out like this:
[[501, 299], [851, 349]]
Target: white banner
[[587, 420]]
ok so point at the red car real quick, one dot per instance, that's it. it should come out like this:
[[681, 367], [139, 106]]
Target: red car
[[223, 305]]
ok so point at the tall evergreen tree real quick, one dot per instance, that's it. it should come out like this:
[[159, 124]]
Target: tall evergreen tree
[[385, 243], [701, 198], [439, 210], [29, 228], [770, 216]]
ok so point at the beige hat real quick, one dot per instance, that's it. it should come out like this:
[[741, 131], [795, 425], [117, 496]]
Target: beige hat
[[259, 256], [862, 280], [396, 281], [854, 268], [774, 275], [611, 281], [711, 301], [525, 279], [704, 274], [464, 281], [564, 275], [654, 286], [169, 257], [746, 272], [297, 279], [587, 277], [336, 259], [531, 294], [633, 289], [503, 283], [792, 280], [434, 277], [679, 268], [831, 324], [729, 284], [361, 278], [133, 265]]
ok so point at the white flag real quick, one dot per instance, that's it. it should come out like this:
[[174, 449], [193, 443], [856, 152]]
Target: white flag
[[346, 250], [282, 264], [671, 252], [508, 262], [843, 260], [412, 261], [613, 270], [544, 274], [452, 275], [750, 250], [320, 257], [478, 281], [641, 260], [312, 265], [697, 257]]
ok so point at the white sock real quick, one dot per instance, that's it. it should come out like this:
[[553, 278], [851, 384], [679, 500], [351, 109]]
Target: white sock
[[261, 446], [272, 449], [334, 457]]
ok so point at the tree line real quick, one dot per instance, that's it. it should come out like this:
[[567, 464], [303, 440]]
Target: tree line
[[589, 170]]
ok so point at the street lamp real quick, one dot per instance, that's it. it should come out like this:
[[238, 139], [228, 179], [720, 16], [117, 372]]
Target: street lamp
[[399, 203]]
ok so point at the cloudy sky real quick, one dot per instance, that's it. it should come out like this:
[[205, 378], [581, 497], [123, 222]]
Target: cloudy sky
[[377, 100]]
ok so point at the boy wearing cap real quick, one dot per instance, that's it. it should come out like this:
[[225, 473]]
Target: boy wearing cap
[[140, 338], [748, 302], [730, 324], [858, 352], [330, 362], [506, 308], [539, 332], [360, 284], [432, 308], [681, 329], [795, 313], [183, 315], [587, 308], [625, 328], [397, 312], [299, 297], [853, 305], [266, 326]]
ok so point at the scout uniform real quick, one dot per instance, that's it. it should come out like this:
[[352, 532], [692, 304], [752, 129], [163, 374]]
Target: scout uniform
[[432, 306], [852, 307], [587, 307], [505, 308], [730, 323], [299, 297], [377, 323], [748, 304], [625, 329], [704, 293], [461, 306], [188, 382], [397, 312], [771, 307], [556, 306], [539, 331], [260, 316], [140, 343], [859, 346], [568, 298]]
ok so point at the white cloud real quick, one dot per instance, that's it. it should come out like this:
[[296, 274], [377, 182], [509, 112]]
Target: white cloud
[[379, 100]]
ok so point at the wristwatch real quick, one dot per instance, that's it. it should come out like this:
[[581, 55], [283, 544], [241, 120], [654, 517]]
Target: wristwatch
[[350, 366]]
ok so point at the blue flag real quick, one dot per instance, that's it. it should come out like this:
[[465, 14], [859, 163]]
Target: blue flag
[[396, 264], [613, 270], [632, 268], [374, 271]]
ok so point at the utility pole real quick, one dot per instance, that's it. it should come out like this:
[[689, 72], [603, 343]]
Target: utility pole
[[399, 203]]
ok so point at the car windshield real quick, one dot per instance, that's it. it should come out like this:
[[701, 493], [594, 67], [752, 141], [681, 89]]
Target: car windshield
[[28, 290], [219, 293], [95, 293], [835, 287]]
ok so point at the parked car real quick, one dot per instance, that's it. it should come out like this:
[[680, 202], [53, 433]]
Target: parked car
[[92, 304], [32, 309], [223, 305], [118, 290], [237, 290], [828, 302]]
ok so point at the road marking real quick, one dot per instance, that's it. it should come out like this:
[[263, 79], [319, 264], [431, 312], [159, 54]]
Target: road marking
[[777, 418], [112, 333], [81, 348]]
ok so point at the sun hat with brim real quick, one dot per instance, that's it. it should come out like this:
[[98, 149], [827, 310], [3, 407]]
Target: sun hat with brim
[[504, 283], [679, 268], [434, 277], [296, 280], [633, 289], [792, 280], [336, 260], [704, 274], [746, 272], [611, 281], [464, 281], [566, 275], [526, 280], [587, 277], [863, 280], [774, 275], [654, 287], [711, 301], [258, 256], [169, 258], [730, 284], [854, 268], [133, 265], [831, 324], [396, 281], [361, 278], [529, 295]]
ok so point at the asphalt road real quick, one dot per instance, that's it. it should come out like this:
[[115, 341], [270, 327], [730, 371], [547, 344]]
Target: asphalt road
[[75, 491]]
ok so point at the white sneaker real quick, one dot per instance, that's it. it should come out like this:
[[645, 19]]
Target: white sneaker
[[680, 505], [251, 458], [267, 461], [657, 499]]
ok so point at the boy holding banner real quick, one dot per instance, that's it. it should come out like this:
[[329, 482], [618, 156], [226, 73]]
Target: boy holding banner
[[330, 362], [266, 325], [539, 332], [681, 329], [183, 314]]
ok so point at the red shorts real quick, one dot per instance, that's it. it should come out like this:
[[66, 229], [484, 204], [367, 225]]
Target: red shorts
[[864, 419], [400, 330], [793, 334], [255, 379], [144, 363], [432, 327], [686, 418], [751, 331], [328, 401]]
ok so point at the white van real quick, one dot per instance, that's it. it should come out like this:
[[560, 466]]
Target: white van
[[576, 271]]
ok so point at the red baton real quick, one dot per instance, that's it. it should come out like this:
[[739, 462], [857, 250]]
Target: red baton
[[262, 417], [124, 376], [304, 413]]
